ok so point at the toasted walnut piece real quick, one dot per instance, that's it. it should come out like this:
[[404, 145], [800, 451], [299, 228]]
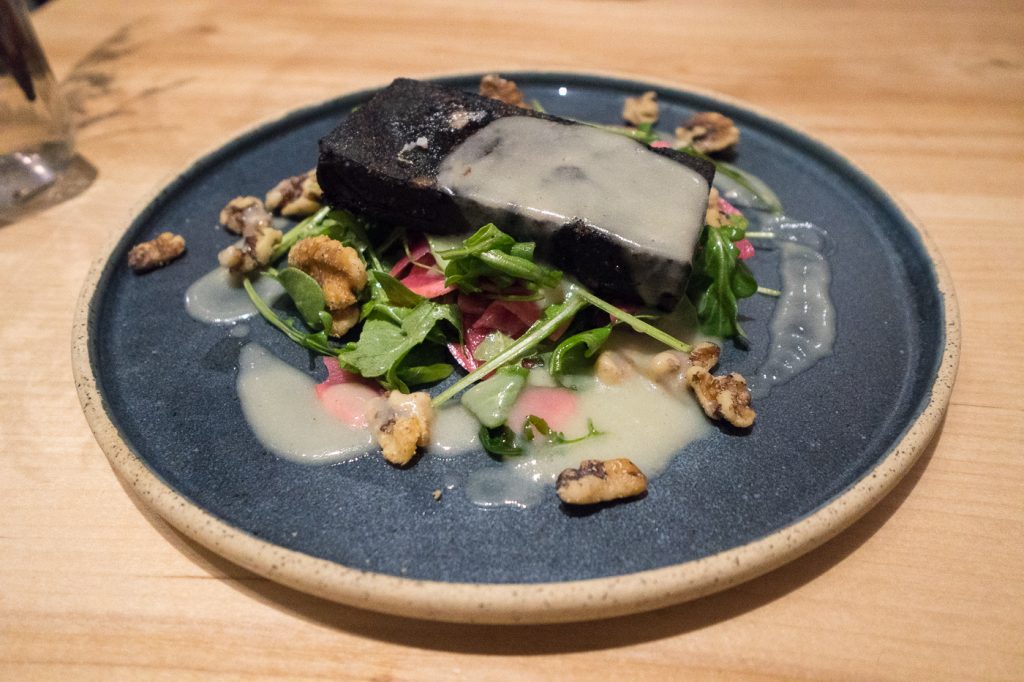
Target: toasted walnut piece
[[705, 355], [258, 242], [495, 87], [600, 481], [723, 397], [714, 216], [708, 132], [248, 217], [612, 368], [343, 320], [668, 368], [339, 272], [642, 109], [665, 365], [157, 252], [299, 195], [242, 211], [400, 423]]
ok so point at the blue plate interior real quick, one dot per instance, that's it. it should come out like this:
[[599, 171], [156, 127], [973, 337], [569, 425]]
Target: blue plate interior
[[168, 381]]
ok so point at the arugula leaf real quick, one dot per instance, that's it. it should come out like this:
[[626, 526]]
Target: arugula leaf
[[501, 441], [571, 355], [305, 293], [742, 281], [535, 426], [390, 290], [336, 224], [554, 316], [719, 279], [504, 442], [317, 342], [425, 374], [490, 254], [492, 400], [383, 344], [492, 344], [309, 227], [633, 321], [645, 133]]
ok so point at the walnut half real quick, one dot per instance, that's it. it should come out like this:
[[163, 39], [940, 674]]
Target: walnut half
[[723, 397], [157, 252], [248, 217], [600, 481], [297, 196], [339, 272], [708, 132]]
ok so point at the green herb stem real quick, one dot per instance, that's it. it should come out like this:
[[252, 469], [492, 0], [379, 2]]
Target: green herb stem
[[305, 340], [539, 331], [633, 321], [644, 134], [765, 291], [298, 232], [760, 235]]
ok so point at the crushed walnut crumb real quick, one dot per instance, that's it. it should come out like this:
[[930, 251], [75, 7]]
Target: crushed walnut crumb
[[494, 86], [642, 109], [714, 215]]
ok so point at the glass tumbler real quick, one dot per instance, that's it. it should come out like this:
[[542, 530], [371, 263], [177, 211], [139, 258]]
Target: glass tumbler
[[36, 144]]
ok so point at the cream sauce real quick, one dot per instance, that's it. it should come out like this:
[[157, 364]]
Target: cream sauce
[[553, 173], [802, 329], [455, 432], [620, 413], [217, 298], [280, 404]]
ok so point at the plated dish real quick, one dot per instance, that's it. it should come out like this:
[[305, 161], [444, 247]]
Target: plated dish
[[159, 390]]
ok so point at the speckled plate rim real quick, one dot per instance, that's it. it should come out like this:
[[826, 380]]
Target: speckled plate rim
[[525, 602]]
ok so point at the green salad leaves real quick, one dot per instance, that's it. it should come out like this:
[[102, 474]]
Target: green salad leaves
[[720, 279]]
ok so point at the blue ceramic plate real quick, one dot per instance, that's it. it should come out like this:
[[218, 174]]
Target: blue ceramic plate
[[158, 388]]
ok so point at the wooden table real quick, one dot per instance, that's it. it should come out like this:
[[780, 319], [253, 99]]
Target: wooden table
[[927, 97]]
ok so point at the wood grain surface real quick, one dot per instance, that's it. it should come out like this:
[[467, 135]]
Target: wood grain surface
[[928, 97]]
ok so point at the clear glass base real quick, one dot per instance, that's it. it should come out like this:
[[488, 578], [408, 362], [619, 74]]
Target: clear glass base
[[39, 178]]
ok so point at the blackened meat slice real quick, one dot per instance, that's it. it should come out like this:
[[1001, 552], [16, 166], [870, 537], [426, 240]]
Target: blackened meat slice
[[384, 160]]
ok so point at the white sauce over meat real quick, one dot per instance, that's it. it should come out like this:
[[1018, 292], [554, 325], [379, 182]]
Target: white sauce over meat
[[553, 173]]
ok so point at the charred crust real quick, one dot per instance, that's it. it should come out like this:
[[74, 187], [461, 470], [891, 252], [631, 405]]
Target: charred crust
[[362, 168]]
